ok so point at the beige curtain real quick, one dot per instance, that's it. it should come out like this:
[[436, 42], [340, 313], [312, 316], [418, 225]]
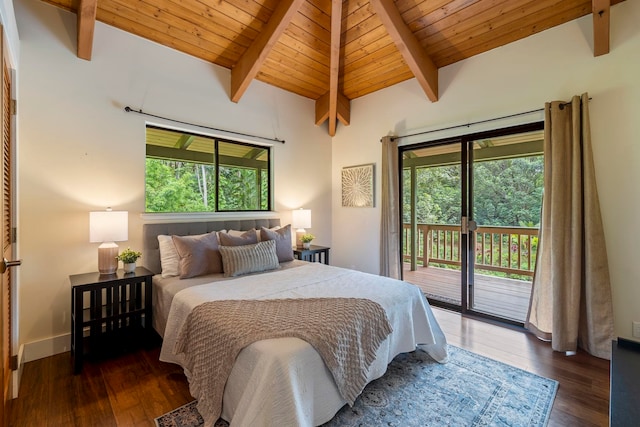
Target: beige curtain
[[390, 263], [571, 298]]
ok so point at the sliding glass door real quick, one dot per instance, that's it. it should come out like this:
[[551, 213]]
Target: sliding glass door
[[432, 191], [471, 209]]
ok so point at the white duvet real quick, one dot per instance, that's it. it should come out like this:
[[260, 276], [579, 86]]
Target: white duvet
[[283, 382]]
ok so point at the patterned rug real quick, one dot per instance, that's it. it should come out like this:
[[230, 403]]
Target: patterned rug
[[469, 390]]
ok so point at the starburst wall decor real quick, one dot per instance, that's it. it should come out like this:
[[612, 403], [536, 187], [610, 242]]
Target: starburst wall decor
[[357, 186]]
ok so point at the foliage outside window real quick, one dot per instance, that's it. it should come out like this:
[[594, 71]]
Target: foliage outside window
[[187, 172]]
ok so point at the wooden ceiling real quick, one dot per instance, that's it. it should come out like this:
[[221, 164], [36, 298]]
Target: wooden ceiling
[[333, 51]]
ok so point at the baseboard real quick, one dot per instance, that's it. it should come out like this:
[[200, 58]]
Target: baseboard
[[47, 347]]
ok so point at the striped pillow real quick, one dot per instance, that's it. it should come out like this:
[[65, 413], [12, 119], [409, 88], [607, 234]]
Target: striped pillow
[[239, 260]]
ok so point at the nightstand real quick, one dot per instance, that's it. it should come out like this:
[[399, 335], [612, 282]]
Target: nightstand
[[118, 311], [313, 254]]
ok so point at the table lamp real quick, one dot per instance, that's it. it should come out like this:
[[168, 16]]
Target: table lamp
[[108, 227], [300, 219]]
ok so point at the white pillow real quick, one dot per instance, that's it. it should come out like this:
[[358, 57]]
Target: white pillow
[[169, 259]]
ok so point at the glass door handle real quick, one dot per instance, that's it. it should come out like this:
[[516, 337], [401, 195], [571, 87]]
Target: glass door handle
[[467, 225]]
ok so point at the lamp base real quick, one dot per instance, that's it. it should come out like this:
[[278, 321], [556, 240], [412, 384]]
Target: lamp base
[[107, 258]]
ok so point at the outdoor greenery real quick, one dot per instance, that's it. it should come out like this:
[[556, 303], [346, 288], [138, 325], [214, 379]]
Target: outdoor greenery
[[506, 193], [179, 186]]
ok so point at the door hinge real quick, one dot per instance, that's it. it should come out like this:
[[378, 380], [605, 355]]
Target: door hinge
[[14, 362], [14, 234], [14, 107]]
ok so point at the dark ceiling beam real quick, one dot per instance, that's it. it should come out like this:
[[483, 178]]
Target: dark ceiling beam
[[249, 64], [86, 23], [601, 26], [420, 64]]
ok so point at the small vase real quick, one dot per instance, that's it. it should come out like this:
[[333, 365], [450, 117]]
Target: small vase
[[129, 267], [306, 245]]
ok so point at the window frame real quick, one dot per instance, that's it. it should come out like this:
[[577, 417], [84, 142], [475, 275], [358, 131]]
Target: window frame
[[215, 140]]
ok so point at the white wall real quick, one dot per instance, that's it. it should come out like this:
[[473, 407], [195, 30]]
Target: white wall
[[79, 151], [553, 65]]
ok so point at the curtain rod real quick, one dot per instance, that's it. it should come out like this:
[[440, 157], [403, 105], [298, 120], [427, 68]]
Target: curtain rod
[[524, 113], [131, 110]]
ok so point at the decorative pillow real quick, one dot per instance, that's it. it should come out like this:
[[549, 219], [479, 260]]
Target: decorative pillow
[[246, 238], [277, 227], [239, 260], [282, 237], [169, 258], [199, 255]]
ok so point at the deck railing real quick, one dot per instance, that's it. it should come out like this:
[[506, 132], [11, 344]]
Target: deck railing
[[510, 250]]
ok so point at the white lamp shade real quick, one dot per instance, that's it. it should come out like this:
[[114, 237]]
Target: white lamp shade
[[301, 218], [108, 226]]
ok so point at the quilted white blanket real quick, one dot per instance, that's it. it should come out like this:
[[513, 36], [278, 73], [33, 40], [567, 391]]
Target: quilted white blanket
[[283, 381]]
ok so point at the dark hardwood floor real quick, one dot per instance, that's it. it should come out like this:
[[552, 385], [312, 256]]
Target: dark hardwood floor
[[133, 389]]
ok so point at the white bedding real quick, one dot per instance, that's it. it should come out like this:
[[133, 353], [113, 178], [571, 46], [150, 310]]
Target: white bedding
[[283, 382]]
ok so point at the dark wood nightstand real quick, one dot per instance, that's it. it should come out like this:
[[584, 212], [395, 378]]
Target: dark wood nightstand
[[118, 312], [313, 254]]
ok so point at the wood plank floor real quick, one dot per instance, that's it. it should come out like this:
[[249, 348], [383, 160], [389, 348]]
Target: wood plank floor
[[133, 389], [498, 296]]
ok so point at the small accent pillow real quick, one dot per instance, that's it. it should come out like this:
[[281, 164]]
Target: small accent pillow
[[245, 259], [246, 238], [169, 258], [282, 237], [199, 255]]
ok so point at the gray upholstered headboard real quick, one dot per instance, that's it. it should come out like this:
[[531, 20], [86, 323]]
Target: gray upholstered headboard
[[150, 232]]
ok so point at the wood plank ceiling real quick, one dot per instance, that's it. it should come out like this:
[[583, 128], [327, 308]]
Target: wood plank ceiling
[[333, 51]]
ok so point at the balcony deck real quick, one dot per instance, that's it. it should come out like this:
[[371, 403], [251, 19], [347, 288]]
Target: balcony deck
[[507, 298]]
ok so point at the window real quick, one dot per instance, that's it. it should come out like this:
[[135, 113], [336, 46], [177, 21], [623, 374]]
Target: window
[[187, 172]]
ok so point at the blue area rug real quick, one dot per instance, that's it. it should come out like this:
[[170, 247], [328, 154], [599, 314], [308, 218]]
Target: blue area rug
[[469, 390]]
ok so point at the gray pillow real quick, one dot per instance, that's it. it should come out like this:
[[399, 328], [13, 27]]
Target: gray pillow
[[239, 260], [282, 237], [247, 238], [199, 255]]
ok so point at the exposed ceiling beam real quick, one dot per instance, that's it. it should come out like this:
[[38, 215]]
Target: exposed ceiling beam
[[334, 65], [601, 24], [333, 105], [420, 64], [251, 61], [343, 109], [86, 23], [184, 141], [322, 108]]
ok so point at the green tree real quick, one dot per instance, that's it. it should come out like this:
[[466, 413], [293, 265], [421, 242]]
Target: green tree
[[174, 186], [508, 192]]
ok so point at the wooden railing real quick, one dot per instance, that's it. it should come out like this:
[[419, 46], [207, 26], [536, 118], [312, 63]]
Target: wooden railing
[[510, 250]]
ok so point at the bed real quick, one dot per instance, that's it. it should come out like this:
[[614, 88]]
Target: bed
[[284, 380]]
